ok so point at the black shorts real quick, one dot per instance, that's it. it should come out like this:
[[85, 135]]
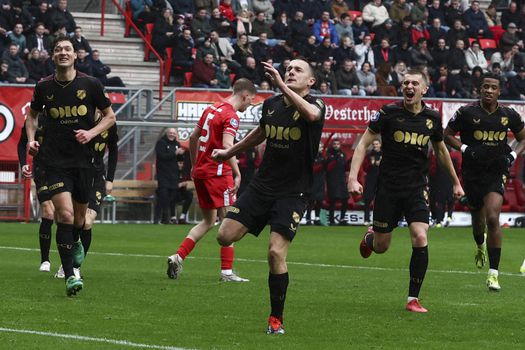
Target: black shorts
[[39, 176], [77, 181], [390, 207], [98, 192], [477, 189], [255, 210]]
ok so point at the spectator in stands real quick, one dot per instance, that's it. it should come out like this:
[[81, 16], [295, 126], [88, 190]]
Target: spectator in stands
[[457, 32], [223, 50], [384, 54], [17, 37], [367, 79], [344, 51], [384, 79], [220, 24], [101, 71], [260, 25], [344, 28], [183, 51], [495, 68], [225, 7], [419, 12], [35, 68], [517, 85], [453, 12], [183, 7], [145, 17], [83, 63], [223, 76], [476, 78], [457, 57], [281, 27], [326, 74], [5, 26], [243, 49], [436, 32], [325, 51], [375, 13], [61, 15], [205, 49], [299, 29], [372, 174], [419, 31], [264, 6], [243, 24], [339, 8], [519, 57], [167, 149], [446, 85], [364, 52], [164, 32], [510, 38], [282, 67], [347, 80], [440, 53], [399, 10], [208, 5], [475, 57], [261, 49], [510, 15], [4, 67], [403, 52], [308, 50], [336, 181], [465, 78], [79, 41], [505, 62], [42, 14], [250, 72], [324, 28], [200, 26], [398, 75], [420, 54], [21, 15], [321, 6], [435, 10], [60, 31], [475, 22], [139, 6], [491, 16], [405, 31], [204, 73], [388, 31], [39, 39], [17, 72]]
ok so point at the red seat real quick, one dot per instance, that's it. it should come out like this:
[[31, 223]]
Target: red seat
[[497, 32], [117, 97], [187, 79], [471, 40], [488, 44], [148, 35], [354, 14], [128, 17]]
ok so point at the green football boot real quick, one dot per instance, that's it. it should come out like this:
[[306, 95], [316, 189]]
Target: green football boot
[[78, 254], [73, 285]]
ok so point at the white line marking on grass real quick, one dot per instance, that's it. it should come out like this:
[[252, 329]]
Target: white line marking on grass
[[298, 263], [89, 339]]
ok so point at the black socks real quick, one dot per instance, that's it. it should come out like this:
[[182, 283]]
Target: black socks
[[44, 237], [278, 285], [418, 268]]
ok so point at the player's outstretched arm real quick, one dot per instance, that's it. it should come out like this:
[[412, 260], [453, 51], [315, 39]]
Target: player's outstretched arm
[[255, 137], [445, 161], [108, 119], [354, 187]]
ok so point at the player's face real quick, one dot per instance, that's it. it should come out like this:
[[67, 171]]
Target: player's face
[[413, 87], [247, 99], [490, 90], [298, 75], [64, 55]]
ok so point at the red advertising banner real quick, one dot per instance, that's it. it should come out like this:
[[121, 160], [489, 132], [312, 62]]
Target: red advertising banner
[[14, 106]]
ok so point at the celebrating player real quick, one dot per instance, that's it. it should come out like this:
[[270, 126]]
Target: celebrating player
[[214, 183], [406, 128], [69, 100], [278, 194], [483, 127]]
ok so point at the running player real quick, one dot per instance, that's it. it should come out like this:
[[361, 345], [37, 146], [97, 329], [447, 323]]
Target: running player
[[483, 127], [47, 210], [68, 101], [214, 183], [406, 128], [278, 194]]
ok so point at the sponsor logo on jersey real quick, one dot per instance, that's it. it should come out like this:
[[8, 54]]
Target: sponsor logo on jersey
[[485, 135], [282, 133], [68, 111], [412, 138], [81, 94]]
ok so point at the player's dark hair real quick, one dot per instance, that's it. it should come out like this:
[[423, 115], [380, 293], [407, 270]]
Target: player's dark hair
[[490, 75], [60, 39], [301, 58], [418, 72], [244, 84]]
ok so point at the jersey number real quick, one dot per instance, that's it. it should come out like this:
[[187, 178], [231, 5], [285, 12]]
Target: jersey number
[[206, 127]]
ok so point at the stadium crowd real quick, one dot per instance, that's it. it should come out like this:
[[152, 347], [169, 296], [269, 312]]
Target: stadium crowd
[[27, 31]]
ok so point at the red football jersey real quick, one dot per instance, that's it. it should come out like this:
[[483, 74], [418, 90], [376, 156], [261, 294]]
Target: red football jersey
[[216, 120]]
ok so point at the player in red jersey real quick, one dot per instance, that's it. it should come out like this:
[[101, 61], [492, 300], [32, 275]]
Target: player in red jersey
[[216, 183]]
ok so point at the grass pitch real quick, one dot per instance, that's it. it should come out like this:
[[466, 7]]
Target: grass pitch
[[335, 300]]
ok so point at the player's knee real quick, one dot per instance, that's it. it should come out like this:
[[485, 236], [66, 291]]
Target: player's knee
[[48, 213], [223, 240], [275, 256], [492, 221], [380, 247], [65, 215]]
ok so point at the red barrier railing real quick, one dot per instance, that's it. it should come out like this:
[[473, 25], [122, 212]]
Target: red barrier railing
[[146, 42]]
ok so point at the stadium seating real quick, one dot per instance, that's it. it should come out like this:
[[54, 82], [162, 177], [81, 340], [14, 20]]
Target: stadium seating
[[133, 192], [488, 44], [497, 32], [354, 14], [187, 79], [149, 36]]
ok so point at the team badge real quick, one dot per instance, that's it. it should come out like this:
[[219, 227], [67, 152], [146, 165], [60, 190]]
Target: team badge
[[429, 124], [296, 217], [504, 121], [234, 123], [81, 94]]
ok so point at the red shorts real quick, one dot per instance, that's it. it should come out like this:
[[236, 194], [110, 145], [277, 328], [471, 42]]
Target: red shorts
[[214, 193]]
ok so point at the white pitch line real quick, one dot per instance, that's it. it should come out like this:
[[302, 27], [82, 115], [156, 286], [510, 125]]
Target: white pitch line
[[298, 263], [89, 339]]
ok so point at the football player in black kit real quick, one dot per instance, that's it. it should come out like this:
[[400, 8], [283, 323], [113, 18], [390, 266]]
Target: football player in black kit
[[483, 127], [406, 128], [278, 194], [68, 101]]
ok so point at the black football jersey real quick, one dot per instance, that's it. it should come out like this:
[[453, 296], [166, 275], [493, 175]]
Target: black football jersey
[[22, 143], [405, 138], [68, 106], [479, 128], [106, 140], [292, 144]]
